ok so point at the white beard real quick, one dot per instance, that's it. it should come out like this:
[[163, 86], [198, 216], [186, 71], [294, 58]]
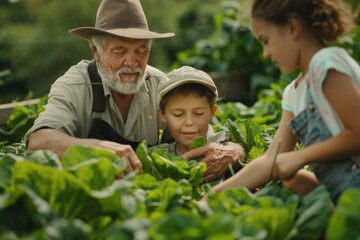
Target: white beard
[[115, 82]]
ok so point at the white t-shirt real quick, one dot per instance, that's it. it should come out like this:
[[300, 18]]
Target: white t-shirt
[[294, 98]]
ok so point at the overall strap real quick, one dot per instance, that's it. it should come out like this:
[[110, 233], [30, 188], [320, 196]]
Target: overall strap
[[97, 87], [102, 130]]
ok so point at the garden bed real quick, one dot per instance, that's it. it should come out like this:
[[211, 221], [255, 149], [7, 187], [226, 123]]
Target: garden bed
[[6, 109]]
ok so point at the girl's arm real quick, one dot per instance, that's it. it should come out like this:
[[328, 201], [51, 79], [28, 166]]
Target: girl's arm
[[257, 172], [344, 95]]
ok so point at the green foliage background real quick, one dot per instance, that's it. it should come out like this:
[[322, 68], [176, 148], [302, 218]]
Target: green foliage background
[[35, 47]]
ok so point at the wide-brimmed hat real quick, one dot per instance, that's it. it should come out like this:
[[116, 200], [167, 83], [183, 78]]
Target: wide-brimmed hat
[[183, 75], [124, 18]]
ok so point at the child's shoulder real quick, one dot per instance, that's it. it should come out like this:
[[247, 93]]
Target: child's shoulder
[[333, 58], [333, 55]]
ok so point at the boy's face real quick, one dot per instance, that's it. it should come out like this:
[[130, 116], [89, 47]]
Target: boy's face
[[187, 117]]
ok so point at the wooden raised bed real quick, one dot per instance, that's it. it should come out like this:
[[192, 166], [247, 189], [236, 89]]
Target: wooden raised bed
[[6, 109]]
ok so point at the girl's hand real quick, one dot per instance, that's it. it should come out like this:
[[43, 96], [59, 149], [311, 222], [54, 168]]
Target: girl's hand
[[287, 165]]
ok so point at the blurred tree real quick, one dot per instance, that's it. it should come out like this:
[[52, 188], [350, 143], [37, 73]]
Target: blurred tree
[[41, 49], [37, 49], [188, 19], [10, 88], [37, 46]]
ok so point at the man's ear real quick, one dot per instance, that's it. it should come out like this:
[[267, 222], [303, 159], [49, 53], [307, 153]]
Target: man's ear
[[94, 51], [295, 26], [162, 116]]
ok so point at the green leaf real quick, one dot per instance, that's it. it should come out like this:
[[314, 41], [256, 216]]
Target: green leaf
[[71, 230], [276, 221], [146, 182], [187, 225], [67, 196], [78, 153], [196, 177], [313, 214], [6, 166], [17, 133], [344, 222], [23, 211], [237, 136], [133, 228], [199, 141], [254, 152], [167, 196], [170, 168], [96, 173], [148, 166], [45, 157]]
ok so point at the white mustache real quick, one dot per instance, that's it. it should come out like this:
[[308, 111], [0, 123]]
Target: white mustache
[[126, 69]]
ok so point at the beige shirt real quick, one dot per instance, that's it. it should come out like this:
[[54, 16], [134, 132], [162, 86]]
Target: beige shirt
[[69, 108]]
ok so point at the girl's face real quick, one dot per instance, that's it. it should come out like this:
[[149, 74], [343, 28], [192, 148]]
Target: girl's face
[[187, 117], [279, 44]]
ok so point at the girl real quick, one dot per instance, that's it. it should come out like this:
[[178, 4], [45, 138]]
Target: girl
[[321, 107]]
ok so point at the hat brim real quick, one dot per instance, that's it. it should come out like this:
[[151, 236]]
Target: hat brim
[[87, 32], [185, 81]]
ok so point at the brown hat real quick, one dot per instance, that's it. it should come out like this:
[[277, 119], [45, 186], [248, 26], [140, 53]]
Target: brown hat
[[124, 18]]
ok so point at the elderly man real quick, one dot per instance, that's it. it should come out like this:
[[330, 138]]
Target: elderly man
[[110, 102]]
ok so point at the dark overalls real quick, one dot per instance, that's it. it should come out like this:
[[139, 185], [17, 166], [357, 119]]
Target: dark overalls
[[337, 176]]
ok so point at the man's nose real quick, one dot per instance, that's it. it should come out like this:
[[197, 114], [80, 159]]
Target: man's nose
[[130, 60]]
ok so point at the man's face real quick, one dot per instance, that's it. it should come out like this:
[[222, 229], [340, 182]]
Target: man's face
[[122, 63]]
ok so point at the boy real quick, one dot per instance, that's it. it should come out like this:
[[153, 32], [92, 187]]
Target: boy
[[186, 101]]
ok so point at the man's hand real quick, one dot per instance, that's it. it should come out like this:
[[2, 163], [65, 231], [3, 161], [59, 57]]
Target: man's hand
[[217, 158], [126, 152], [58, 142]]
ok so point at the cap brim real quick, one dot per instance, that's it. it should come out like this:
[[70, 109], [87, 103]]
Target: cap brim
[[87, 32], [185, 81]]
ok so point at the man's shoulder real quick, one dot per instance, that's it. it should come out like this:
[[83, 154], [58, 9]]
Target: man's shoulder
[[76, 78], [77, 72], [153, 72]]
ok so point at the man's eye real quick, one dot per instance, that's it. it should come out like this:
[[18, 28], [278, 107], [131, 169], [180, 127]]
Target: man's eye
[[119, 51], [143, 51]]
